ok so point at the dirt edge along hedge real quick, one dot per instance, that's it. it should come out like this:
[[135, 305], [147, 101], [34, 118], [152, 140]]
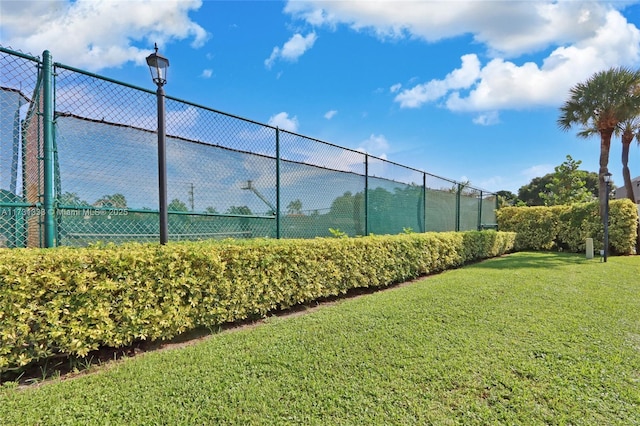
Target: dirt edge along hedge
[[74, 300], [568, 227]]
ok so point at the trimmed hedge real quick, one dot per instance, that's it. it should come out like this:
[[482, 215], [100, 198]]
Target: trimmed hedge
[[74, 300], [568, 227]]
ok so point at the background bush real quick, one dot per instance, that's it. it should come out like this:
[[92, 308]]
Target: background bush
[[568, 227], [74, 300]]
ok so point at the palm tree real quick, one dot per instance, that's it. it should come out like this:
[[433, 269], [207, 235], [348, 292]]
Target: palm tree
[[177, 206], [600, 105], [295, 207], [630, 131]]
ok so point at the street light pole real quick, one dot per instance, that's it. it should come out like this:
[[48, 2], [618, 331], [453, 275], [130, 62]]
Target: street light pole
[[158, 66], [162, 168], [607, 182]]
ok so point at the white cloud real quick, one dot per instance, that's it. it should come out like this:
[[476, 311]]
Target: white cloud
[[460, 78], [284, 122], [493, 183], [295, 47], [395, 88], [583, 37], [375, 145], [206, 73], [487, 119], [330, 114], [79, 32], [504, 84], [179, 122], [505, 27]]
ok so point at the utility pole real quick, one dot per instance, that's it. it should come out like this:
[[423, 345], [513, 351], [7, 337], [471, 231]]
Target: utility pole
[[191, 198]]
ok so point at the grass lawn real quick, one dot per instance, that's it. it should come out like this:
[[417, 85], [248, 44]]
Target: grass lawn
[[530, 338]]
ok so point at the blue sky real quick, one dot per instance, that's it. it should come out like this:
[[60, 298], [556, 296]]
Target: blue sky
[[467, 90]]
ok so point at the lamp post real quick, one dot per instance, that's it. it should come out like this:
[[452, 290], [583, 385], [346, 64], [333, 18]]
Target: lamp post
[[607, 182], [158, 65]]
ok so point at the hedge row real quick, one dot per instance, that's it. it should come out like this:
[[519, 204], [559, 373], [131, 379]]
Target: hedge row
[[74, 300], [568, 227]]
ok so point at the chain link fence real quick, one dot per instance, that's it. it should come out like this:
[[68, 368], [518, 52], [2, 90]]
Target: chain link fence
[[21, 173], [227, 177]]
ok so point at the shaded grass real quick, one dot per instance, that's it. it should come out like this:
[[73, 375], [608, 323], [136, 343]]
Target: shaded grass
[[531, 338]]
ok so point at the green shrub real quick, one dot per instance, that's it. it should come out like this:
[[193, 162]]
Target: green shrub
[[536, 227], [576, 224], [568, 227], [74, 300], [623, 226]]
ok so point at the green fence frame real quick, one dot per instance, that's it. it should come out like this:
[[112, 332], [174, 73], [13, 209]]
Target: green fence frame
[[53, 217]]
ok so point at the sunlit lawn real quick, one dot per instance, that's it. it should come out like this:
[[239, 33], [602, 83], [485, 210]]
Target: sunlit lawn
[[530, 338]]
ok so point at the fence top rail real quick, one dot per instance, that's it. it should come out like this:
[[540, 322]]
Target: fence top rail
[[101, 77], [10, 51]]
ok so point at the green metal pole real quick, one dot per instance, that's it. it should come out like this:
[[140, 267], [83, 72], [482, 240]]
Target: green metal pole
[[277, 183], [480, 213], [366, 194], [56, 165], [606, 225], [495, 212], [162, 167], [424, 202], [49, 167], [458, 194]]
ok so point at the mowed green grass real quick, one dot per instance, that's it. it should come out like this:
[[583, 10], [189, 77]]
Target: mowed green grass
[[530, 338]]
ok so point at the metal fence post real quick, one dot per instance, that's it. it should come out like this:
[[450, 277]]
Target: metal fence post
[[277, 183], [48, 148], [424, 202], [366, 194], [480, 213], [458, 195]]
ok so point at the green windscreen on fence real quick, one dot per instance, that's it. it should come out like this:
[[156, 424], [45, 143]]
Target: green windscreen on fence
[[489, 206], [469, 205], [227, 177], [321, 188], [441, 204]]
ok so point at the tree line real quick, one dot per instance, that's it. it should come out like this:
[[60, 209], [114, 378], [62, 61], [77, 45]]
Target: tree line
[[567, 184]]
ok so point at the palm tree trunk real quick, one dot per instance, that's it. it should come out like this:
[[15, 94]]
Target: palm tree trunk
[[626, 173], [605, 145], [627, 138]]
